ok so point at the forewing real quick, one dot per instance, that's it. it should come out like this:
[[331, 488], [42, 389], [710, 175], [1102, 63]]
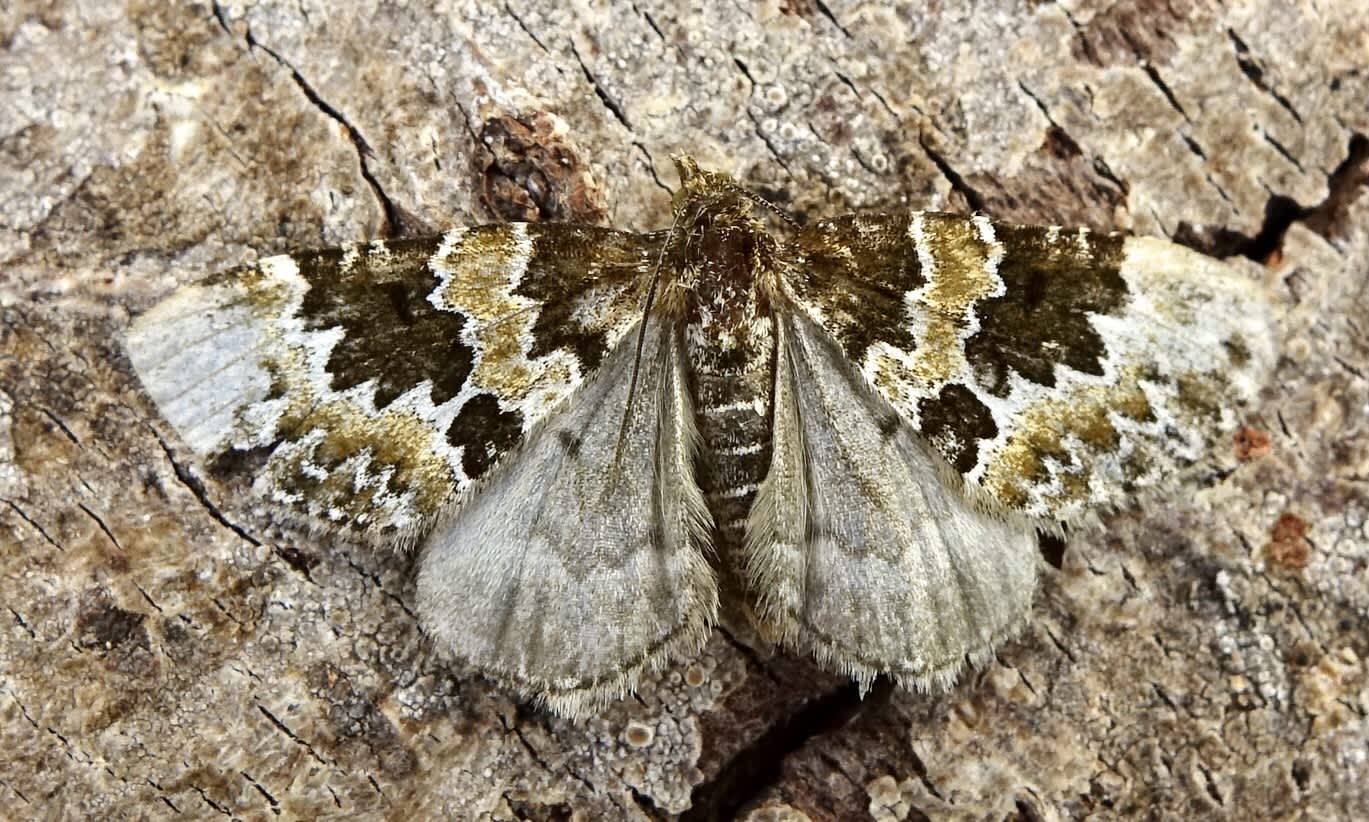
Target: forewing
[[1055, 370], [373, 384], [580, 565], [861, 545]]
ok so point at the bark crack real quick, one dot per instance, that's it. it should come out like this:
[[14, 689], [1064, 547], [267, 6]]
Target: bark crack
[[920, 768], [1282, 150], [1164, 88], [614, 107], [394, 224], [270, 800], [211, 803], [57, 421], [832, 18], [1281, 212], [1056, 641], [1100, 167], [649, 21], [101, 523], [524, 26], [285, 729], [16, 792], [760, 132], [651, 168], [758, 765], [972, 197], [221, 17], [196, 488], [1211, 785], [148, 598], [294, 558], [165, 799], [26, 518], [375, 580], [515, 726], [22, 624], [1252, 70]]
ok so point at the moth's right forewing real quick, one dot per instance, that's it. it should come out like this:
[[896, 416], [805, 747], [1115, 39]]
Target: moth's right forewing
[[199, 355]]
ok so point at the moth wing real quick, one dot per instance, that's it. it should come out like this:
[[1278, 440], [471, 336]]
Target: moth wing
[[374, 384], [861, 543], [1056, 370], [580, 565]]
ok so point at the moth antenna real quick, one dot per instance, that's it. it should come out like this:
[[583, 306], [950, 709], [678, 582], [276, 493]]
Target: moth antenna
[[769, 206], [641, 344]]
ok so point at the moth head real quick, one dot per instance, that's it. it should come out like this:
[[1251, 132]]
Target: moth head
[[707, 195]]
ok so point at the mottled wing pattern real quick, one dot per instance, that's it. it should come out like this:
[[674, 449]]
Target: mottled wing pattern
[[580, 565], [371, 385], [1057, 371], [857, 546]]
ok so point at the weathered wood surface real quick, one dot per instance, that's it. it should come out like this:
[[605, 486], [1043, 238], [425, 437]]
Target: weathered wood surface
[[166, 652]]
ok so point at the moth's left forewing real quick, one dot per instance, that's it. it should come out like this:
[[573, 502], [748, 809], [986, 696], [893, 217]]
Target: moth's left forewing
[[378, 382], [1163, 370], [946, 385], [1055, 370]]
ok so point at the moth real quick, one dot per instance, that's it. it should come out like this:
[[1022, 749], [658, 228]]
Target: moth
[[854, 428]]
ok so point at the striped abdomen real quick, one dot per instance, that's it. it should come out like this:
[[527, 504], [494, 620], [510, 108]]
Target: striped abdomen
[[733, 384]]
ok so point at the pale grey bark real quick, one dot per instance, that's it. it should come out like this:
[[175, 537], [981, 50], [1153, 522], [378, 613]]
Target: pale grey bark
[[166, 651]]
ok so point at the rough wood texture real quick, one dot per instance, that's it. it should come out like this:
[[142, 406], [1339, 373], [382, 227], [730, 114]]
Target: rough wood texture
[[166, 651]]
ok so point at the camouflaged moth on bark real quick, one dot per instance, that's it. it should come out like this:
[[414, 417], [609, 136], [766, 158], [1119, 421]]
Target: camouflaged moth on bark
[[857, 428]]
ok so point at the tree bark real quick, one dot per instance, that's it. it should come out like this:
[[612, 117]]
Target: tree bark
[[168, 650]]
